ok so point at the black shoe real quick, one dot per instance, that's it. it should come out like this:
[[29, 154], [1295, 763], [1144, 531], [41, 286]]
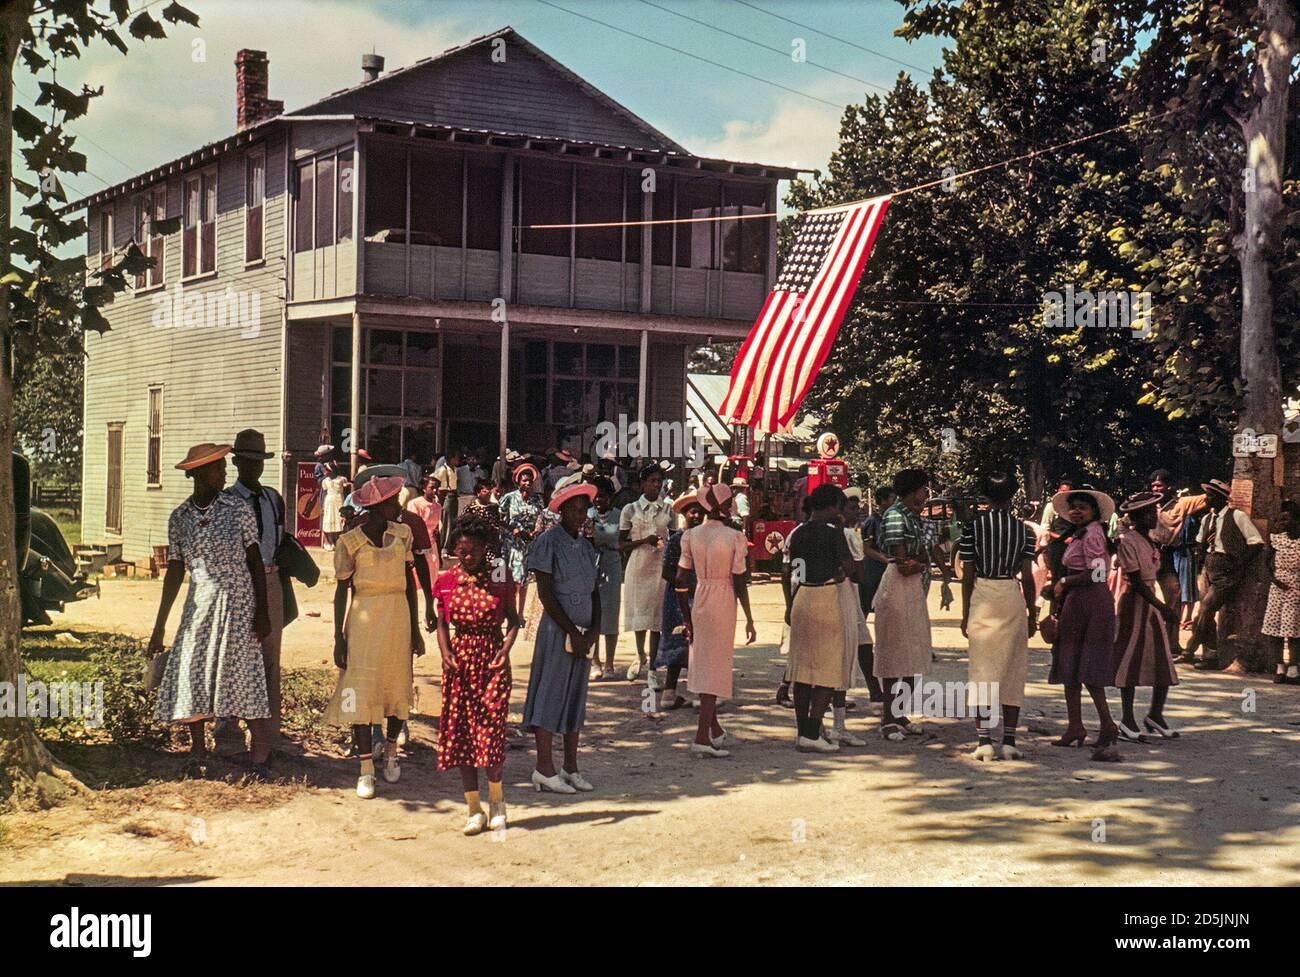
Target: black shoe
[[1209, 665]]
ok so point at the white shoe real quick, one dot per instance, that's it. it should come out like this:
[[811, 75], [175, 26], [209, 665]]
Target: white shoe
[[985, 752], [844, 737], [366, 786], [705, 750], [576, 780], [475, 824], [392, 769], [1010, 752], [819, 745], [497, 819], [652, 680], [557, 784], [1128, 734], [718, 740], [634, 671]]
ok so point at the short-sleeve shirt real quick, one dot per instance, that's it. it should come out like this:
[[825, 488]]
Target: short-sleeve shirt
[[212, 542], [347, 545], [420, 541], [820, 549], [572, 564], [714, 551], [995, 543], [449, 580], [1136, 554], [1086, 548], [853, 536], [902, 527], [1248, 530]]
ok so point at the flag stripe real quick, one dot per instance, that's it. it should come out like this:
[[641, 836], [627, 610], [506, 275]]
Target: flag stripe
[[815, 353], [812, 316], [795, 330]]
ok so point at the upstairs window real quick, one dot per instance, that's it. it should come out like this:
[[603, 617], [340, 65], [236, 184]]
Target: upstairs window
[[323, 203], [254, 204], [545, 197], [150, 212], [199, 219], [106, 237], [744, 242], [697, 242], [437, 197], [600, 201]]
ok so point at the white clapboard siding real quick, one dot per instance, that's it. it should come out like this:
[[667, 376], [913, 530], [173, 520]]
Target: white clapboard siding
[[217, 377]]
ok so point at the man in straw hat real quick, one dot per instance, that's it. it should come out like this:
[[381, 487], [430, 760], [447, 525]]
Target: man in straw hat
[[1229, 544], [267, 505]]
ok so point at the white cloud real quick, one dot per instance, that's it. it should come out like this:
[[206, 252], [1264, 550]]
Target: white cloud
[[159, 102]]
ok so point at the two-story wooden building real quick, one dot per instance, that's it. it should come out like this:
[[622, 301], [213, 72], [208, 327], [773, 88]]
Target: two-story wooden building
[[370, 264]]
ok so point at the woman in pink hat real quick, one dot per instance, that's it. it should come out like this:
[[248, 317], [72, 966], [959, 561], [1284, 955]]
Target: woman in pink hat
[[377, 635], [717, 553], [565, 564]]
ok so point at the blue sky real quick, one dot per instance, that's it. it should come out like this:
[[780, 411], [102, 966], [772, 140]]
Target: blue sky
[[171, 96]]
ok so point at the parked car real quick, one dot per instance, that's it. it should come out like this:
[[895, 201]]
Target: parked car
[[49, 577]]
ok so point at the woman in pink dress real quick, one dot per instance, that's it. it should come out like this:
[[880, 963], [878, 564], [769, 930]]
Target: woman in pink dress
[[717, 554], [427, 507]]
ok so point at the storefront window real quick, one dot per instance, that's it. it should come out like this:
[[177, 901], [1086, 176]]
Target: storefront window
[[401, 391]]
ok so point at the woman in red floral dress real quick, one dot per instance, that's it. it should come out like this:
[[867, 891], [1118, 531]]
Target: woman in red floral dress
[[475, 669]]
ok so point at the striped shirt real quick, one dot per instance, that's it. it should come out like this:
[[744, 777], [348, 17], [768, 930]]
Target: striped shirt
[[903, 527], [995, 543]]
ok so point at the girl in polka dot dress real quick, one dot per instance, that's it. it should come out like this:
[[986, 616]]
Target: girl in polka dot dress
[[472, 604]]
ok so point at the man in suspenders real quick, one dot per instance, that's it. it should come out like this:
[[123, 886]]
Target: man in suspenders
[[250, 456], [1230, 544]]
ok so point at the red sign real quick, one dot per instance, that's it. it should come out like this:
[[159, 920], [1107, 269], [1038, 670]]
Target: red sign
[[822, 471], [768, 536], [308, 505]]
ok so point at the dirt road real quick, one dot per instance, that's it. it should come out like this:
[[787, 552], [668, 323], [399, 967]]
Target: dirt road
[[1219, 805]]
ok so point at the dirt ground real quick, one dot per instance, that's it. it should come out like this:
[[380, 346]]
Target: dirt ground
[[1219, 805]]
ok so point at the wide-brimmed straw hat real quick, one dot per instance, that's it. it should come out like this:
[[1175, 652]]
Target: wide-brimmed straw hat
[[568, 480], [1105, 504], [371, 472], [378, 489], [1218, 486], [685, 501], [525, 467], [1139, 500], [203, 454], [324, 449], [564, 456], [563, 495], [250, 444], [714, 498]]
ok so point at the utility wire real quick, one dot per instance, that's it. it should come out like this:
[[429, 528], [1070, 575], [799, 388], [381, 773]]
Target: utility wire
[[716, 64]]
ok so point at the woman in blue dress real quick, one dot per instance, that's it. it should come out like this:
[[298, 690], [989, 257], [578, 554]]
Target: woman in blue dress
[[565, 563], [673, 643], [521, 511], [1185, 563], [603, 518]]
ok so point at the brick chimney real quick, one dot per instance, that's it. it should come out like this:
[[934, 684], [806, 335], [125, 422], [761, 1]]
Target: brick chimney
[[252, 71]]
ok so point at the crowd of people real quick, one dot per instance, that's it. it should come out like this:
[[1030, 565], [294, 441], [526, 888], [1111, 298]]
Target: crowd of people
[[608, 550]]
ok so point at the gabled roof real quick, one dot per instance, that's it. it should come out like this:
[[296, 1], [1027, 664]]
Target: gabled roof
[[362, 98], [387, 101]]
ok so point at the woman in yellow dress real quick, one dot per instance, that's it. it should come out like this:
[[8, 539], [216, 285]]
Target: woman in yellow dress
[[376, 637]]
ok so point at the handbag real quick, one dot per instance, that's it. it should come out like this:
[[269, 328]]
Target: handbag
[[153, 671], [1050, 628]]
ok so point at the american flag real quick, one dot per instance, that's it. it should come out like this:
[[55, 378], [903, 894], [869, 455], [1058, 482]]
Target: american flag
[[793, 333]]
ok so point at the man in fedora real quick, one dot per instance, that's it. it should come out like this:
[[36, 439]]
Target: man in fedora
[[250, 457], [1230, 544]]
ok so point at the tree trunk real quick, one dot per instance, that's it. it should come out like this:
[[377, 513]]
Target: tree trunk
[[1264, 132], [27, 770], [1035, 479]]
